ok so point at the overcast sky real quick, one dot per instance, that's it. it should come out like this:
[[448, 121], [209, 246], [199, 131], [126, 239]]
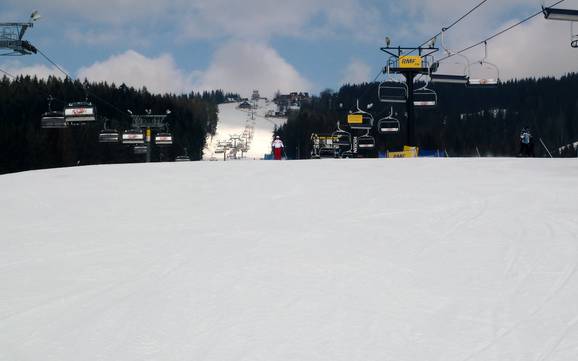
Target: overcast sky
[[299, 45]]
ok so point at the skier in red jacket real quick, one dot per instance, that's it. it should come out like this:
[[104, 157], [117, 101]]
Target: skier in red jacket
[[277, 148]]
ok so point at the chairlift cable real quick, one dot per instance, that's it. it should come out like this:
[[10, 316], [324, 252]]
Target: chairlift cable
[[8, 74], [451, 25], [84, 87], [499, 33]]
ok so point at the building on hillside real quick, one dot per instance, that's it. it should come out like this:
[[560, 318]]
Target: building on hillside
[[291, 101], [245, 105]]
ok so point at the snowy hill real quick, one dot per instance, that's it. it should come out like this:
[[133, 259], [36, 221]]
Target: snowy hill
[[341, 260], [233, 120]]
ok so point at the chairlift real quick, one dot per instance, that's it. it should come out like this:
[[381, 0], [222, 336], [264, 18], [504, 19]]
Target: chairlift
[[52, 119], [140, 149], [484, 82], [451, 78], [360, 119], [327, 147], [133, 136], [425, 97], [366, 141], [388, 124], [392, 91], [79, 113], [108, 135], [341, 137], [163, 139]]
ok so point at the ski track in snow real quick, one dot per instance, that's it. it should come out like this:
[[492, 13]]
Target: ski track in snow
[[415, 259]]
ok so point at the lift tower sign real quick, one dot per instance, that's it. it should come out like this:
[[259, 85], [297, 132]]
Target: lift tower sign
[[410, 62]]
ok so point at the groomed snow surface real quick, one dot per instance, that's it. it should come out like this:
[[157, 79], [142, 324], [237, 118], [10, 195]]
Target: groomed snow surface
[[333, 260]]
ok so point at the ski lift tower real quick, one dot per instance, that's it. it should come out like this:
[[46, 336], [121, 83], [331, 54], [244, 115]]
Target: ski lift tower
[[11, 38], [147, 122], [401, 62]]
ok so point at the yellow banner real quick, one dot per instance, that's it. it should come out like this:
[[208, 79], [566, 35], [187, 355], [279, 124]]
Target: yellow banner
[[410, 62], [408, 152], [355, 119]]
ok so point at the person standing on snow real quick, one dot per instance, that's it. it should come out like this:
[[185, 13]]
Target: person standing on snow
[[277, 148], [526, 143]]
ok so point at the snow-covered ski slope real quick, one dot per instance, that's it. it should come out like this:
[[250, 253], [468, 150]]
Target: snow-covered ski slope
[[232, 121], [337, 260]]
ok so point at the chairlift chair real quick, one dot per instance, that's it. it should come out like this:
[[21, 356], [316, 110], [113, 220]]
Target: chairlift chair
[[53, 120], [163, 139], [392, 91], [79, 113], [140, 149], [366, 141], [341, 137], [484, 82], [109, 136], [133, 136], [388, 124], [327, 147], [461, 79], [360, 119], [425, 97]]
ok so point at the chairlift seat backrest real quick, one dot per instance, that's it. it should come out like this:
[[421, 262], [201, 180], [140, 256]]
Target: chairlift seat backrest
[[483, 83], [360, 121], [392, 92], [449, 79], [366, 142], [425, 98], [164, 139], [388, 125], [79, 112], [53, 120], [108, 136], [133, 137]]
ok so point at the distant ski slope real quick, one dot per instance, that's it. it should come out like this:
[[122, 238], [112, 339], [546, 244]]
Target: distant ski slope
[[384, 259], [232, 120]]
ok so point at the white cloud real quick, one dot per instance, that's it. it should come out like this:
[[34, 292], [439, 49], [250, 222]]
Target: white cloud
[[237, 67], [356, 72], [242, 66], [159, 75], [537, 48]]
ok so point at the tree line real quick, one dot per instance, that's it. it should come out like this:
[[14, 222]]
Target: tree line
[[467, 121], [24, 145]]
